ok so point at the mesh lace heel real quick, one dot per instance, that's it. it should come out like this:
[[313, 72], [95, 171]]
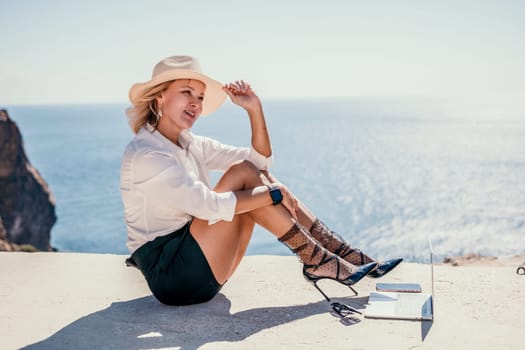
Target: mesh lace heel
[[319, 263], [355, 277], [334, 243]]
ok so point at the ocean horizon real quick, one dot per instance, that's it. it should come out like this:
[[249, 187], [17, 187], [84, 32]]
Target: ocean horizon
[[387, 174]]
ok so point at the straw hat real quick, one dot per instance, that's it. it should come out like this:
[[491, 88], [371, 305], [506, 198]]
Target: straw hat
[[181, 67]]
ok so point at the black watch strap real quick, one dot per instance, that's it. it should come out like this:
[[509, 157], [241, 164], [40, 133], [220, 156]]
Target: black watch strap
[[275, 193]]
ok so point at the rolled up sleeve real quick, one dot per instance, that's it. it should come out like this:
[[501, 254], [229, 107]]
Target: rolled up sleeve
[[260, 161]]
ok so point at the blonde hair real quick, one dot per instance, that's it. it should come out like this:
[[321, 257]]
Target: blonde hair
[[146, 109]]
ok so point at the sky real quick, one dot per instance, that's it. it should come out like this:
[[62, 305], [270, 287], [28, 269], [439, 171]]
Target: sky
[[93, 51]]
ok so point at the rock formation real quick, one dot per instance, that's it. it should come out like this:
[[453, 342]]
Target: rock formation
[[27, 208], [4, 245]]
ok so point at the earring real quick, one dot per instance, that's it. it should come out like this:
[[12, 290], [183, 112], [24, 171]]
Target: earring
[[158, 115]]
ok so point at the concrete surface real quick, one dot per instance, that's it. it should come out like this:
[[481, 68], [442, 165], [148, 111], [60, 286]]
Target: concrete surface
[[92, 301]]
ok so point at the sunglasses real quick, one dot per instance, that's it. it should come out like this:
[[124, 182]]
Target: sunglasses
[[344, 310]]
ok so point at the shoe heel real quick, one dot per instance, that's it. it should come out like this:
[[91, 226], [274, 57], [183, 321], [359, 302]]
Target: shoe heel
[[321, 291], [313, 280], [353, 290], [325, 296]]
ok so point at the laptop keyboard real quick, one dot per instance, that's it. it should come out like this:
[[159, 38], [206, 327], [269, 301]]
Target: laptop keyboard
[[410, 304]]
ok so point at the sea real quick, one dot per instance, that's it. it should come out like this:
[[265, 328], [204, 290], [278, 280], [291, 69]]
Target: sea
[[387, 174]]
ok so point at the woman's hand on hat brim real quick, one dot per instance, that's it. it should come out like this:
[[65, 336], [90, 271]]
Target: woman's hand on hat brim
[[242, 95]]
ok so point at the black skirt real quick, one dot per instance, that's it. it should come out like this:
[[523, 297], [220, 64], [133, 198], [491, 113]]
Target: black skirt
[[176, 269]]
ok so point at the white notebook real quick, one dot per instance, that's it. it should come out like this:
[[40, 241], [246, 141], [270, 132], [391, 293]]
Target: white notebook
[[403, 306]]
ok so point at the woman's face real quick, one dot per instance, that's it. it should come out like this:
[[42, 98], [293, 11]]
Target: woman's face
[[181, 105]]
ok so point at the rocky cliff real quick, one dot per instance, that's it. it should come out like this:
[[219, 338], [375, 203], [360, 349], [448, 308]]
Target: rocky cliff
[[4, 245], [27, 208]]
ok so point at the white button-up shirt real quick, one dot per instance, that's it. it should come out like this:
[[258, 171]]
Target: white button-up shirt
[[163, 185]]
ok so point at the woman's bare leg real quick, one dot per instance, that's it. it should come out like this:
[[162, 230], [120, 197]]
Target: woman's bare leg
[[304, 215], [225, 243], [328, 239], [334, 243]]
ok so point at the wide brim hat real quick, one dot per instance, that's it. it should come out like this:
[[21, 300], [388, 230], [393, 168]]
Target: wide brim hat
[[181, 67]]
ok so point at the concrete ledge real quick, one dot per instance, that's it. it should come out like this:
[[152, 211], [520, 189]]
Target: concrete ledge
[[92, 301]]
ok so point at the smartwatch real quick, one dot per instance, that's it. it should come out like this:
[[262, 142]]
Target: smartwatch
[[275, 193]]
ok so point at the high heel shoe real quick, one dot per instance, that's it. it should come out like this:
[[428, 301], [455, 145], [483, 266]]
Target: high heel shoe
[[361, 272], [334, 243], [384, 267], [381, 269]]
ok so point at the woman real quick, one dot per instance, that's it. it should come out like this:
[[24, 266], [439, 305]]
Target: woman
[[188, 238]]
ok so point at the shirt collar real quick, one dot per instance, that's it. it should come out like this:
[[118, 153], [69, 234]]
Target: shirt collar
[[185, 138]]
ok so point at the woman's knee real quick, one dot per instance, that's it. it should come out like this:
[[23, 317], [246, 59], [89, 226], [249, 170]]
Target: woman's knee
[[239, 176], [244, 166], [247, 171]]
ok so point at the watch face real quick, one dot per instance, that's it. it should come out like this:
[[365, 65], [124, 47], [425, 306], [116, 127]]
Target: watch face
[[277, 196], [280, 196]]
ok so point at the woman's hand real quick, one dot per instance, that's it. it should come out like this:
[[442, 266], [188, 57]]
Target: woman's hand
[[289, 200], [242, 95]]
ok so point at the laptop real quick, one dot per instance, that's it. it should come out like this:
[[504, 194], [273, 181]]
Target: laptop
[[403, 306]]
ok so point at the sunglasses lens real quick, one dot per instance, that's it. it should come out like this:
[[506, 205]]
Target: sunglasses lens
[[343, 310]]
